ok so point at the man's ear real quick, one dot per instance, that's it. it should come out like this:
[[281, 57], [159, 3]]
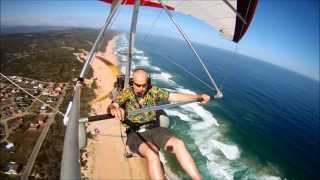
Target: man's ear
[[131, 82]]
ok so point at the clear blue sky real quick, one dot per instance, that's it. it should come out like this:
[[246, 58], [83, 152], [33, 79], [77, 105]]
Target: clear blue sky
[[283, 32]]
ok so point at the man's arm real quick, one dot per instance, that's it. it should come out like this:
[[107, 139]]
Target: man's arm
[[181, 97]]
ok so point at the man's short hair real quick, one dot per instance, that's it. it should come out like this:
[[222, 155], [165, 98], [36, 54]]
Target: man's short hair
[[140, 69]]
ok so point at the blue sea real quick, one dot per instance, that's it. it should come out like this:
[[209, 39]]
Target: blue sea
[[265, 127]]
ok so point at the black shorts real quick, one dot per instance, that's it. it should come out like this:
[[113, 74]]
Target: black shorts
[[158, 136]]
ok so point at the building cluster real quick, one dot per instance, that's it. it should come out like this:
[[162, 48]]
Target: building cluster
[[19, 122], [14, 101]]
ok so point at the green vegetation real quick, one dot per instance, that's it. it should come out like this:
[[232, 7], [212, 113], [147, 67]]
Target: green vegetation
[[87, 95], [45, 56], [94, 84], [48, 57], [47, 164]]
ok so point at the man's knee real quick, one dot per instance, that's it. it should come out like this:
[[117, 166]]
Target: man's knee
[[149, 153], [174, 144]]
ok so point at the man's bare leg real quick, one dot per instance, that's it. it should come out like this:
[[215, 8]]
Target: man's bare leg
[[153, 160], [176, 146]]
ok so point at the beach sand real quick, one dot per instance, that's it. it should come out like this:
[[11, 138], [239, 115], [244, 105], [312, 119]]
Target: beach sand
[[104, 154]]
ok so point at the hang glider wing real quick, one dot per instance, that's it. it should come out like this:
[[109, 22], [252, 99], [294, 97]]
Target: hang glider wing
[[143, 3], [219, 14]]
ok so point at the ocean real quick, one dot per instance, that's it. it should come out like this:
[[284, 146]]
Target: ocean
[[265, 127]]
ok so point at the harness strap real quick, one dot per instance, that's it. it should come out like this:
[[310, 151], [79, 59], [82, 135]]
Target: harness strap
[[135, 127]]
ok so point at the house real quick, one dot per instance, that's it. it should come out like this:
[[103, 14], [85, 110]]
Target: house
[[36, 93], [43, 107], [9, 146], [58, 89], [49, 100], [45, 93], [34, 126], [42, 119], [11, 168]]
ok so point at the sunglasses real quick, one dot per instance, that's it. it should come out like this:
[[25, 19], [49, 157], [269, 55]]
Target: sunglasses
[[140, 85]]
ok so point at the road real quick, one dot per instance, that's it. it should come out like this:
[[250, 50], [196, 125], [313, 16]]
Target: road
[[28, 168]]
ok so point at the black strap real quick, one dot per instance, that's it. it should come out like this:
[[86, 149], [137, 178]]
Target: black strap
[[134, 127]]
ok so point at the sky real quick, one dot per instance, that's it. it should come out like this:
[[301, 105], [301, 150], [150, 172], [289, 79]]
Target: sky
[[282, 32]]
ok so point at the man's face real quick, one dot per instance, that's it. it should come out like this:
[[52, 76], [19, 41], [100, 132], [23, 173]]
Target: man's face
[[140, 84]]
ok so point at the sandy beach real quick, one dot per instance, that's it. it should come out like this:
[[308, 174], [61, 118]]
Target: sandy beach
[[105, 151]]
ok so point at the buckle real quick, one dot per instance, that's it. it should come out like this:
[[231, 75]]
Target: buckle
[[142, 130]]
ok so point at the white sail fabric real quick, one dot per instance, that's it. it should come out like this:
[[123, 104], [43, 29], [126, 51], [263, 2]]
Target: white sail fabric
[[214, 12], [218, 14]]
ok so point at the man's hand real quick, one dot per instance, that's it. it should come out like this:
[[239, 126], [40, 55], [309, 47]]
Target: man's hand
[[205, 98], [117, 112]]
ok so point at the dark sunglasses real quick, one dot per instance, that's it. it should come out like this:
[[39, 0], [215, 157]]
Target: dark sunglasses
[[140, 85]]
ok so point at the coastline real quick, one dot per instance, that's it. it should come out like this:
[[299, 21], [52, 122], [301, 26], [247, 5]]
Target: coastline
[[104, 153]]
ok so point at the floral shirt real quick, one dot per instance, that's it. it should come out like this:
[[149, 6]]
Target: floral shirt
[[130, 102]]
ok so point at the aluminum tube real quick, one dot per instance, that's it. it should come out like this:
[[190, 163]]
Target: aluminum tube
[[70, 165], [97, 42], [131, 41]]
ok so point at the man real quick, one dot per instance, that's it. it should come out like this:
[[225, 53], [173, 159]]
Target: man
[[148, 142]]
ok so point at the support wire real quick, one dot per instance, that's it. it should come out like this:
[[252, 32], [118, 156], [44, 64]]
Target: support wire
[[219, 93]]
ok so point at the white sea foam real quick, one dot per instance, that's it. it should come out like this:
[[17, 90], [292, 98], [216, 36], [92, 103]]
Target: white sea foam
[[141, 57], [183, 90], [231, 152], [156, 68], [207, 151], [182, 116], [137, 51], [201, 125], [220, 171], [208, 118], [166, 75], [206, 115], [163, 76], [266, 177], [145, 63], [206, 134]]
